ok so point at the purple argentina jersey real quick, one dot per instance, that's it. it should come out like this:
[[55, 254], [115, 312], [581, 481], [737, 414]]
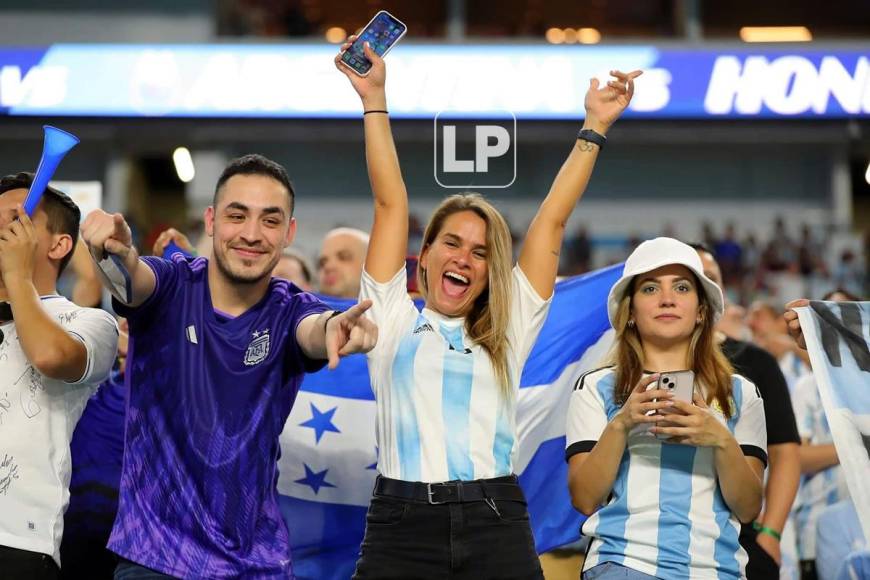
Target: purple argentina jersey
[[208, 398]]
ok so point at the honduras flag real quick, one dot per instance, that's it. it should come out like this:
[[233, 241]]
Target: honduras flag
[[838, 342], [329, 456]]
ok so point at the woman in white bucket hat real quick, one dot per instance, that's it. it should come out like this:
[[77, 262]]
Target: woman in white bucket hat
[[672, 478]]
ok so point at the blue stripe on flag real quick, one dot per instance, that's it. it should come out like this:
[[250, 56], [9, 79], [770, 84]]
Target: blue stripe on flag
[[456, 405], [351, 379], [544, 481], [577, 319], [318, 535], [675, 502]]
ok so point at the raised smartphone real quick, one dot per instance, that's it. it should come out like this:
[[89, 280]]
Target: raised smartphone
[[382, 33]]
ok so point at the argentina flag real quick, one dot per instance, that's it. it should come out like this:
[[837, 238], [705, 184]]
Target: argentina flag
[[329, 456], [837, 336]]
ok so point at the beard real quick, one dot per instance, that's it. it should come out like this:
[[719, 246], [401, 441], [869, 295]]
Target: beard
[[245, 277]]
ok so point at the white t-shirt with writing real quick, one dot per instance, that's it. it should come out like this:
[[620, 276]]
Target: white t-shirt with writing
[[37, 418]]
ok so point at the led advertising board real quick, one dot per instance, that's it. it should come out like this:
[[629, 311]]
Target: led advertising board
[[531, 81]]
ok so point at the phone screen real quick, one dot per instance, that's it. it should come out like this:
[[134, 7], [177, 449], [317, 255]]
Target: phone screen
[[381, 34]]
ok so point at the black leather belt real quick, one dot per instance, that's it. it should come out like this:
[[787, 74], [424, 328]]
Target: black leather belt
[[500, 488]]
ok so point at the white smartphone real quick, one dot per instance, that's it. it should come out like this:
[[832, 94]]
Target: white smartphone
[[680, 383], [382, 32]]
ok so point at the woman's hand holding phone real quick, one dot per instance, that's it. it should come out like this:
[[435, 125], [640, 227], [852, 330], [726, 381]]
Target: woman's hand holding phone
[[693, 424], [642, 405], [370, 88]]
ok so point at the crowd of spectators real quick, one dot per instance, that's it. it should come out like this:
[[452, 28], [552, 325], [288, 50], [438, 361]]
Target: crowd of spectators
[[788, 263]]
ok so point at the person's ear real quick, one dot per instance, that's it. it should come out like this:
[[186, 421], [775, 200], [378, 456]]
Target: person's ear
[[61, 245], [208, 219]]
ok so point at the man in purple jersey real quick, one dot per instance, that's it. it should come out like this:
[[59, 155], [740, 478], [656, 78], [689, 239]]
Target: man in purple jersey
[[217, 352]]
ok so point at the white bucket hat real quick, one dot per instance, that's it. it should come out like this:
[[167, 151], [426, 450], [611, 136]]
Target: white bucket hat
[[660, 252]]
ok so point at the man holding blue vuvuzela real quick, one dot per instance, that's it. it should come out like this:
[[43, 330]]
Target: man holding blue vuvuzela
[[53, 354], [218, 348]]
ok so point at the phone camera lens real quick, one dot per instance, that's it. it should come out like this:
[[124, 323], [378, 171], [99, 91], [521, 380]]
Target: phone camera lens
[[666, 381]]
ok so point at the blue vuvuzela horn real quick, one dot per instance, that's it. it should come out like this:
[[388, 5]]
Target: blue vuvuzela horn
[[57, 143]]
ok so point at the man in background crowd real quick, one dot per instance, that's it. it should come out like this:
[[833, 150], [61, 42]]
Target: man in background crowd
[[295, 268], [770, 333], [339, 266]]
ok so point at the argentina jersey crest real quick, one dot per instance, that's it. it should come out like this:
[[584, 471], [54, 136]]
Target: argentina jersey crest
[[258, 349]]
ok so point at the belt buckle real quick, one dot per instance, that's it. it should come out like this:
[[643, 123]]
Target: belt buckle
[[430, 493]]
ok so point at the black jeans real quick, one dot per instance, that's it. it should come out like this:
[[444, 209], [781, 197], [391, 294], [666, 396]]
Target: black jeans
[[26, 565], [477, 540], [808, 570]]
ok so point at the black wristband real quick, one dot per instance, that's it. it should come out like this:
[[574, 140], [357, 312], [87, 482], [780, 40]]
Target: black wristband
[[376, 111], [330, 317], [592, 137]]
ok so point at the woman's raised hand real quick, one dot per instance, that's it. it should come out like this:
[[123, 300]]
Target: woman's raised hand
[[605, 105], [370, 87]]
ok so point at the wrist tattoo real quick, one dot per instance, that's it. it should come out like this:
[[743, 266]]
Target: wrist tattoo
[[585, 145]]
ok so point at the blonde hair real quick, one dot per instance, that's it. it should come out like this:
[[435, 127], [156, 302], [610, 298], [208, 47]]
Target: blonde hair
[[711, 367], [487, 322]]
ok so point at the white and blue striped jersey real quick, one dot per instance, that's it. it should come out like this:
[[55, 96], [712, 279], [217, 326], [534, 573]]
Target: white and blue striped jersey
[[793, 368], [666, 515], [820, 489], [440, 412]]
